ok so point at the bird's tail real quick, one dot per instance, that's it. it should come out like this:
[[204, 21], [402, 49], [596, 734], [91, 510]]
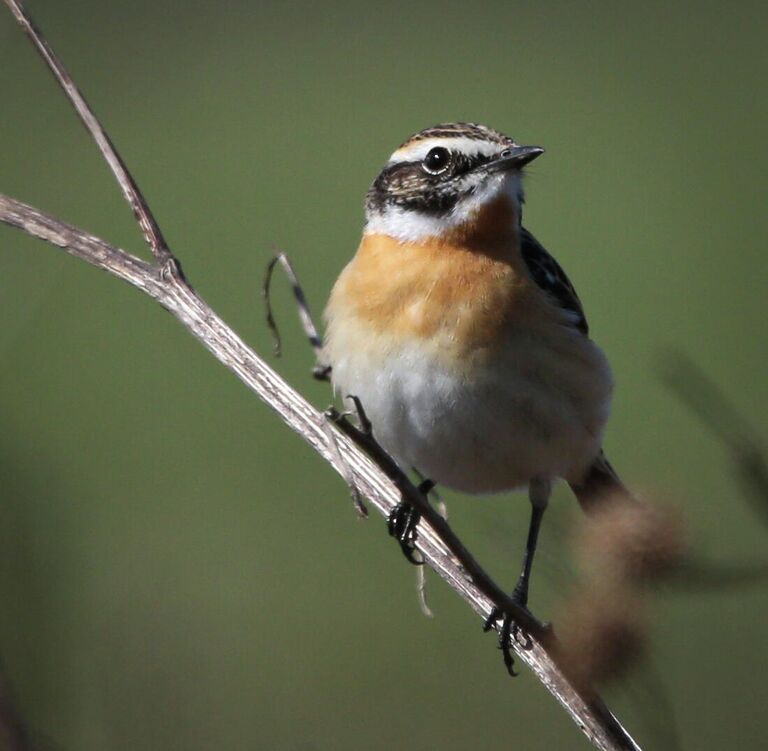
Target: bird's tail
[[600, 485]]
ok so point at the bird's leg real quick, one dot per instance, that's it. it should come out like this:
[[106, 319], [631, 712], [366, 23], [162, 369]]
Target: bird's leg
[[538, 492], [403, 518], [402, 523], [363, 423]]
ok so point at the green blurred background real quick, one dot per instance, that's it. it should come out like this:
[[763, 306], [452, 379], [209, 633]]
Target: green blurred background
[[177, 569]]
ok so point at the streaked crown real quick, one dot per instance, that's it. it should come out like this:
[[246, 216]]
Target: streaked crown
[[440, 175]]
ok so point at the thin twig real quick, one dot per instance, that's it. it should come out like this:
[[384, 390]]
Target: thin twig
[[710, 404], [130, 189], [357, 498], [380, 481], [305, 316], [705, 399], [421, 571]]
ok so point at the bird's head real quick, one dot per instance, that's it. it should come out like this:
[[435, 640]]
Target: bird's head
[[441, 177]]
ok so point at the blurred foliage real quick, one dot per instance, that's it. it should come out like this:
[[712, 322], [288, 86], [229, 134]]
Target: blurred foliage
[[179, 571]]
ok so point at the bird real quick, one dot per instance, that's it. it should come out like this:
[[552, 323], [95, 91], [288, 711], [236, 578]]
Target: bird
[[463, 339]]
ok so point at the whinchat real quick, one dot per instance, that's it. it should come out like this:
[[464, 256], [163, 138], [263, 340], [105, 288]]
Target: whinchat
[[462, 337]]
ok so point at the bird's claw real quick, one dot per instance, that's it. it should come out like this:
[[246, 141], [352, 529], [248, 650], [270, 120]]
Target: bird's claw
[[321, 372], [363, 423], [401, 525], [509, 632]]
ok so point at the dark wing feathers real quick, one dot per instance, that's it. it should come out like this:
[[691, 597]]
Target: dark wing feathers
[[600, 483], [549, 275]]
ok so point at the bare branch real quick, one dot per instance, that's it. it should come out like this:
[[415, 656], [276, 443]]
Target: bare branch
[[138, 204]]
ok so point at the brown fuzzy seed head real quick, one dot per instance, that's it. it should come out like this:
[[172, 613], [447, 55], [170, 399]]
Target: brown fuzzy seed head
[[604, 633], [640, 541]]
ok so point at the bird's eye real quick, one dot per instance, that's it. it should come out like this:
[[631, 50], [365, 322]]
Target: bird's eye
[[436, 160]]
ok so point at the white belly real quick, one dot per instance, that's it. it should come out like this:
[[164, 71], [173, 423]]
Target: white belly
[[536, 408]]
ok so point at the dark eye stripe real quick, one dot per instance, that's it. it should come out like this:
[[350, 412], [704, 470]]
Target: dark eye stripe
[[466, 163], [406, 184], [437, 203]]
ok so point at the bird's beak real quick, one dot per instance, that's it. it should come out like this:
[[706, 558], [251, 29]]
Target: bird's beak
[[514, 157]]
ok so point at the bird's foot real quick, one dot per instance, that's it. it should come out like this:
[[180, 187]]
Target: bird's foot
[[321, 372], [509, 631], [402, 523]]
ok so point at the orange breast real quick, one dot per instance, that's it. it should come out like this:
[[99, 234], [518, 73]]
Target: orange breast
[[463, 290]]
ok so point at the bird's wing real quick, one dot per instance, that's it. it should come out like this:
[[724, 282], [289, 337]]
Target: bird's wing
[[551, 278]]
